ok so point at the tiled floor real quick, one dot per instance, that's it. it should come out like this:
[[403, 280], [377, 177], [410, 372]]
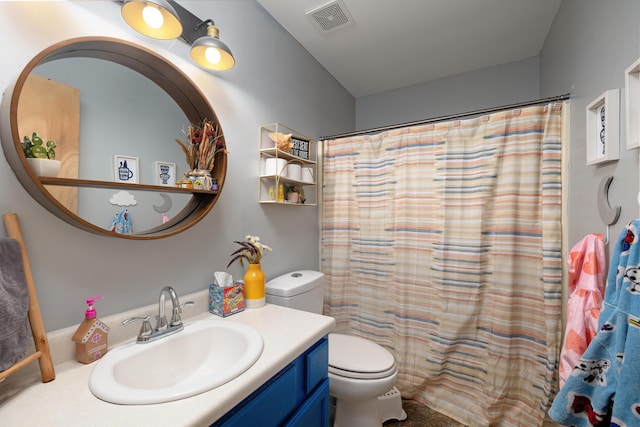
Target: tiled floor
[[419, 415]]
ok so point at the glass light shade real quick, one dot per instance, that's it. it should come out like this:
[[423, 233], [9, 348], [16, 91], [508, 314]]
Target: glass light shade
[[212, 53], [133, 11]]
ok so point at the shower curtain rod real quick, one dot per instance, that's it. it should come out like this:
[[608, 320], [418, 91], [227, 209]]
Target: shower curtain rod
[[451, 117]]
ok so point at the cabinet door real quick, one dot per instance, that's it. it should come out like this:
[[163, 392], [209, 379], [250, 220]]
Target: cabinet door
[[314, 412], [269, 407], [299, 393], [316, 365]]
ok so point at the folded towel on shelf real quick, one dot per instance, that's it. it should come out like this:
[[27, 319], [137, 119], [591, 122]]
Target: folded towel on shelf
[[14, 305]]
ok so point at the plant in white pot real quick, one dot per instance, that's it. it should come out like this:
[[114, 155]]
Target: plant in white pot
[[295, 194], [40, 156]]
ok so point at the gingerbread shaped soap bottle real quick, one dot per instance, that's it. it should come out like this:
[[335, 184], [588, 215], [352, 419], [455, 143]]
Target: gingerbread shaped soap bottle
[[91, 336]]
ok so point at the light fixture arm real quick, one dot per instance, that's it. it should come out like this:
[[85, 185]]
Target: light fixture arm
[[192, 27], [206, 21]]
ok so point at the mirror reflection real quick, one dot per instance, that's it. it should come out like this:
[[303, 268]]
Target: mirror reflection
[[108, 119]]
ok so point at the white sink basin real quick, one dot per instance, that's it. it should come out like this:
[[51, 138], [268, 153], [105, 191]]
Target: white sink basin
[[205, 355]]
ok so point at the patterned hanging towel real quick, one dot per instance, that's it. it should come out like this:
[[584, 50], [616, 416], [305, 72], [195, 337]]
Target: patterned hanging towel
[[121, 222], [14, 305], [586, 288], [603, 389]]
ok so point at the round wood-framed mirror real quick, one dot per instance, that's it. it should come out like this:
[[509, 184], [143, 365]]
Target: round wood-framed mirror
[[169, 79]]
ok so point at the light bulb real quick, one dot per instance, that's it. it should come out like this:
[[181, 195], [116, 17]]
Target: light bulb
[[152, 16], [213, 55]]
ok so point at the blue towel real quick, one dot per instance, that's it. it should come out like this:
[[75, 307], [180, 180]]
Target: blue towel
[[122, 222], [14, 305], [604, 388]]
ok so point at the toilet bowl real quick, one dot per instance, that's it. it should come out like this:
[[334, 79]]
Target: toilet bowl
[[360, 371]]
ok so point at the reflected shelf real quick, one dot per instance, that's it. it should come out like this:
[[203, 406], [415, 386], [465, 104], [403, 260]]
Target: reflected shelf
[[70, 182]]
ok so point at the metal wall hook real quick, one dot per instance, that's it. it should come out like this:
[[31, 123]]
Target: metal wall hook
[[608, 214]]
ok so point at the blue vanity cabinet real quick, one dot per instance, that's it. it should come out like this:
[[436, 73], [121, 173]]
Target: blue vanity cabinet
[[297, 396]]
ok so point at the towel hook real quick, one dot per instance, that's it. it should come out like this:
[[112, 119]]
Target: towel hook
[[608, 214]]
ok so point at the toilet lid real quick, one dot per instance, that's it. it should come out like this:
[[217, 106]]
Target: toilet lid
[[356, 357]]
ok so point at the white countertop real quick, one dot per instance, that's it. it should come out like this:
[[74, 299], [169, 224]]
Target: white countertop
[[67, 401]]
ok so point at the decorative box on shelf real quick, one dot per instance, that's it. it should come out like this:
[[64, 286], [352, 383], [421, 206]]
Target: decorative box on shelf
[[288, 167], [300, 148]]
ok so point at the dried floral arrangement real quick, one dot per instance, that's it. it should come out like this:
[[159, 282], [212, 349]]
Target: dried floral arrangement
[[204, 141], [251, 250]]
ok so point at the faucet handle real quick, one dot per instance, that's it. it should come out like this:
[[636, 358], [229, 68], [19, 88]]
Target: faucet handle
[[175, 318], [145, 330]]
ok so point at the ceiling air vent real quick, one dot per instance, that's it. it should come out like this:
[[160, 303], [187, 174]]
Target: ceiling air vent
[[331, 16]]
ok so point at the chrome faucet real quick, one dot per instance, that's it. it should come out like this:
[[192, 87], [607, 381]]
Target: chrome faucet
[[163, 328], [161, 319]]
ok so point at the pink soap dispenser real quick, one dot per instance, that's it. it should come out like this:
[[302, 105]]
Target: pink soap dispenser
[[91, 336]]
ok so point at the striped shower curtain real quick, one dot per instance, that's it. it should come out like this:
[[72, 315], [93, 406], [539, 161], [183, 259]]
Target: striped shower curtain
[[442, 243]]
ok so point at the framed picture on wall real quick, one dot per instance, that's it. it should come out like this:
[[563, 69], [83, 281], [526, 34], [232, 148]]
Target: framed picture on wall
[[603, 128], [125, 169], [165, 173], [632, 98]]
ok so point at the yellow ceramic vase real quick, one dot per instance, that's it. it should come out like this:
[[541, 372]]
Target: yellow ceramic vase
[[254, 287]]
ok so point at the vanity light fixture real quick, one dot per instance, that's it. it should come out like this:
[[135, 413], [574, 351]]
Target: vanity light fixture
[[166, 19]]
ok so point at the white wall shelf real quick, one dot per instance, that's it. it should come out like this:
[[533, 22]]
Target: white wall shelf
[[289, 166]]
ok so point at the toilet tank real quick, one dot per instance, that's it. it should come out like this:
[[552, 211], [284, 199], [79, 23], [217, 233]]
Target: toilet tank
[[302, 290]]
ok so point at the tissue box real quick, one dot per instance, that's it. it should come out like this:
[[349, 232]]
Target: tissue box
[[226, 301]]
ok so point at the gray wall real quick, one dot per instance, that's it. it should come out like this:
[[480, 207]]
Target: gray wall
[[590, 45], [274, 80], [472, 91]]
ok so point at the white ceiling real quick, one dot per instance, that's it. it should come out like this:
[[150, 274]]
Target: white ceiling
[[396, 43]]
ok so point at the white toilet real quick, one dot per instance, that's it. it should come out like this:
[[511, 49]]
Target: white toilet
[[362, 374]]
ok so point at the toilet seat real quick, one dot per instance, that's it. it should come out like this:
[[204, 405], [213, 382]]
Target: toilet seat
[[362, 375], [359, 358]]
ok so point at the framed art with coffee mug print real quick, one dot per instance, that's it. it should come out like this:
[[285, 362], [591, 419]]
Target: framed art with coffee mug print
[[125, 169]]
